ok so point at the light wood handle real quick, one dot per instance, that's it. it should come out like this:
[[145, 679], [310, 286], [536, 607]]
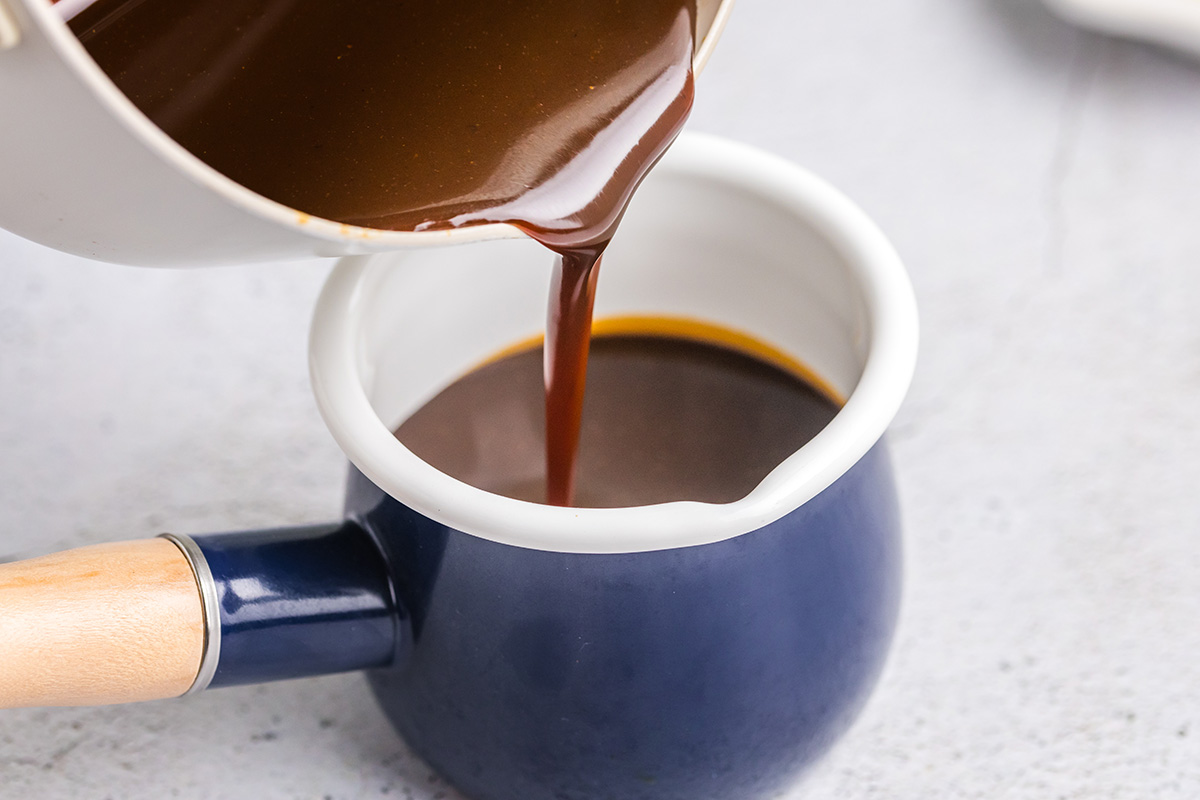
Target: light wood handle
[[111, 623]]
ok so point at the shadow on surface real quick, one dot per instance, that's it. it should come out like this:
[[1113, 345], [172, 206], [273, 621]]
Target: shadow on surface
[[1044, 39]]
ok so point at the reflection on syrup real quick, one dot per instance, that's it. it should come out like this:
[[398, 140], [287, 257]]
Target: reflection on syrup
[[412, 115]]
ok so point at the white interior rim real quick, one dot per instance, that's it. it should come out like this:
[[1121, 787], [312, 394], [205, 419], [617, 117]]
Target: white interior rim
[[892, 347], [50, 22]]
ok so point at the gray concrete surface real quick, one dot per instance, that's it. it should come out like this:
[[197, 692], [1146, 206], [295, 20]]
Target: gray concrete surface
[[1043, 186]]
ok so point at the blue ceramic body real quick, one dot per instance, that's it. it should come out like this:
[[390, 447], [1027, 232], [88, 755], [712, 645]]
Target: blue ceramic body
[[710, 672]]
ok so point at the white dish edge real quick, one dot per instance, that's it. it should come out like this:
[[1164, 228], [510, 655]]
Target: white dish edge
[[1175, 23]]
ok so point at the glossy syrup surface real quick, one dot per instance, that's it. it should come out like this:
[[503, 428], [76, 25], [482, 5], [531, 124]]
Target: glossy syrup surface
[[411, 115]]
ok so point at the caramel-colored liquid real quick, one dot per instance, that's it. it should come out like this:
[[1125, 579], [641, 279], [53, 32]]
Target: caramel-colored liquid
[[425, 115], [665, 419]]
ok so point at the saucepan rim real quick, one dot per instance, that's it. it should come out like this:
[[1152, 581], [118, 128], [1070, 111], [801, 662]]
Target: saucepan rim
[[891, 348]]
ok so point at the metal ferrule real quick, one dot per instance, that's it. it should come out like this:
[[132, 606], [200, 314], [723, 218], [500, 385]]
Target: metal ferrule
[[207, 587]]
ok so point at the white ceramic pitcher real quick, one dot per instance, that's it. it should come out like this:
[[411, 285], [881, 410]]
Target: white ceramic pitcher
[[84, 171]]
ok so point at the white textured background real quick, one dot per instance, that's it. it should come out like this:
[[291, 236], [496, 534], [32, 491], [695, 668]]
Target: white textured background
[[1043, 185]]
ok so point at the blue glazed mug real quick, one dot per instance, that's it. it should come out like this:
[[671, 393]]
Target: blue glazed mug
[[682, 651]]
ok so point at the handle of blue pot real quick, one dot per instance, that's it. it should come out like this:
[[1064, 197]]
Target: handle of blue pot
[[294, 602], [161, 617]]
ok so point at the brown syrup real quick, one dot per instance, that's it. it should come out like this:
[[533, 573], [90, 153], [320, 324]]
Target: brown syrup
[[666, 418], [425, 115]]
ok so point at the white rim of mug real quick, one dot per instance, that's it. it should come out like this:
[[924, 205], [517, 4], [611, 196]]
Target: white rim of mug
[[73, 53], [335, 364]]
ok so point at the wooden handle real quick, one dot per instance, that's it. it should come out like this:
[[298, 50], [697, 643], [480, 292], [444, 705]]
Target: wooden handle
[[112, 623]]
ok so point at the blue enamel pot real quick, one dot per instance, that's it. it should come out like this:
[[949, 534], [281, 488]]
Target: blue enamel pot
[[683, 651]]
